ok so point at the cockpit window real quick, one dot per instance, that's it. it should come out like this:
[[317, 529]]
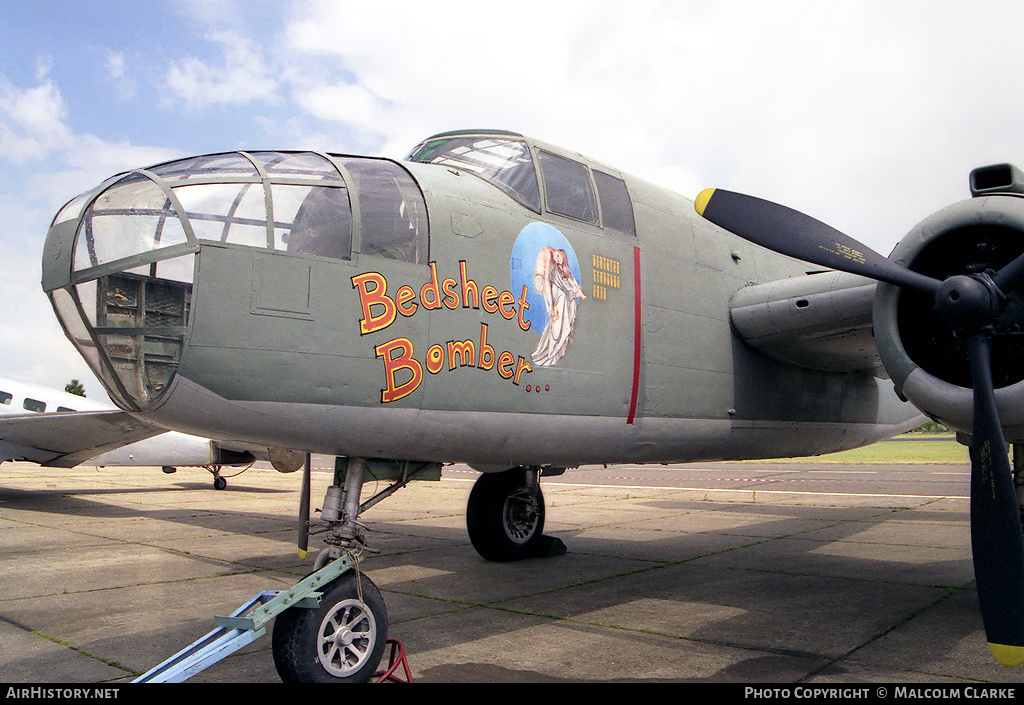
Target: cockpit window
[[616, 208], [132, 217], [567, 187], [502, 161]]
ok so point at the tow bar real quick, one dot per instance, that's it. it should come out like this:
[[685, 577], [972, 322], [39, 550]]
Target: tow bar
[[249, 622]]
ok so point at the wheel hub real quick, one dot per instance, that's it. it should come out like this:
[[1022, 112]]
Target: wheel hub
[[521, 516], [346, 638]]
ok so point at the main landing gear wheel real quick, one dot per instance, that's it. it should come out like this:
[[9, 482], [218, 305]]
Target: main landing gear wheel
[[505, 516], [341, 641]]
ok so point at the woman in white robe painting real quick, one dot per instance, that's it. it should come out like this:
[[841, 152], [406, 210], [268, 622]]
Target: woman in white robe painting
[[553, 280]]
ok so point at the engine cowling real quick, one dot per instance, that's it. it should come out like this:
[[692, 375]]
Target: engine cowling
[[926, 361]]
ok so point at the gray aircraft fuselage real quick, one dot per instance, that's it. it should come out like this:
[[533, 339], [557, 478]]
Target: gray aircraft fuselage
[[498, 324]]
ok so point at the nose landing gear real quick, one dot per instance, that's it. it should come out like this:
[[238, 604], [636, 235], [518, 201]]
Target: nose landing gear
[[332, 626], [343, 638]]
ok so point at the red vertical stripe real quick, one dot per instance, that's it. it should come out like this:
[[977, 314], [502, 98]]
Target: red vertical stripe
[[636, 335]]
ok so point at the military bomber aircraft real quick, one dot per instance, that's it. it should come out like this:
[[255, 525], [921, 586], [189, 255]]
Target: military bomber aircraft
[[498, 301]]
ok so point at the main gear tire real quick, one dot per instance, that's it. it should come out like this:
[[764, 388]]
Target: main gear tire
[[505, 516]]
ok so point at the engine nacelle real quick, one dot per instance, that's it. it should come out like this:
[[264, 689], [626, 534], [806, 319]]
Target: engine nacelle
[[926, 361]]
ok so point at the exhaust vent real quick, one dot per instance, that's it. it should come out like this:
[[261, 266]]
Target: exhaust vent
[[996, 178]]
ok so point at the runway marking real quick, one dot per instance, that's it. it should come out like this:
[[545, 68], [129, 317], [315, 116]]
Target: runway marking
[[746, 479], [729, 489]]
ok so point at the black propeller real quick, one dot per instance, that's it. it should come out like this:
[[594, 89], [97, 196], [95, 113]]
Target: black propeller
[[970, 304]]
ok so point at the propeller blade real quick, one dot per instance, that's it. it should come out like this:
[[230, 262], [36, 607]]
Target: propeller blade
[[304, 508], [996, 537], [792, 233], [968, 304], [1010, 276]]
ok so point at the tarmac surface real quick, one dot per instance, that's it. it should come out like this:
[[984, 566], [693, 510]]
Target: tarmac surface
[[717, 575]]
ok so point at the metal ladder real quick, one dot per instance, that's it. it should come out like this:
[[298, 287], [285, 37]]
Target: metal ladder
[[246, 625]]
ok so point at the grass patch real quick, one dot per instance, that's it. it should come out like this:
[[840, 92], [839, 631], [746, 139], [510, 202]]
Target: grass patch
[[906, 449]]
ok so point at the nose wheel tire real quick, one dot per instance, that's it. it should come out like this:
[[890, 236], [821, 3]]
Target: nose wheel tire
[[505, 517], [340, 641]]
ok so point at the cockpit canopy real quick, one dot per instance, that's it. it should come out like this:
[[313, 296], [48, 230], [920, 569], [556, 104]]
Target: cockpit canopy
[[499, 159], [525, 170]]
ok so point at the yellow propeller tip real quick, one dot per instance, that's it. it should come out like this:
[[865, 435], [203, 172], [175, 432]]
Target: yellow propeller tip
[[302, 554], [702, 200], [1011, 656]]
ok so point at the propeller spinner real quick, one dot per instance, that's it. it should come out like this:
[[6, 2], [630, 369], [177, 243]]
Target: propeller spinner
[[971, 304]]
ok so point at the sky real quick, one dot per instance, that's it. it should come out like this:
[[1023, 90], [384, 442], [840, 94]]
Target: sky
[[866, 114]]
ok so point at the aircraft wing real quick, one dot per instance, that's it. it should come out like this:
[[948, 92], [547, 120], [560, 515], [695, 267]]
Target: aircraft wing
[[821, 321], [68, 439]]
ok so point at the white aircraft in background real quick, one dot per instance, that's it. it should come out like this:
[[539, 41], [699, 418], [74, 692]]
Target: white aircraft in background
[[80, 431]]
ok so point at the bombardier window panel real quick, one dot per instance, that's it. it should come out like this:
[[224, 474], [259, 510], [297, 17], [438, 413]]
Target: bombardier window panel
[[34, 405], [78, 323], [567, 187], [616, 207], [73, 208], [210, 165], [131, 217], [231, 212], [178, 269], [304, 164]]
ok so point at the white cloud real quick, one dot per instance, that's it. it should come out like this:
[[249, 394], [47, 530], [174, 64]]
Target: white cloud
[[241, 77], [115, 64], [343, 102], [31, 121], [117, 68], [91, 160]]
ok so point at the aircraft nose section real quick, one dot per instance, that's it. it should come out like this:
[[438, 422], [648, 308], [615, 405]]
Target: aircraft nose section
[[121, 261], [118, 266]]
